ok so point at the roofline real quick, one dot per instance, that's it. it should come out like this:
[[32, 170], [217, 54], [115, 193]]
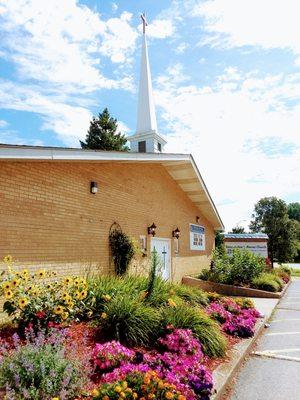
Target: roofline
[[56, 154], [206, 191]]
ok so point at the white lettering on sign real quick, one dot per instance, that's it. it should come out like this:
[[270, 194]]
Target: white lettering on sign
[[258, 248], [197, 237]]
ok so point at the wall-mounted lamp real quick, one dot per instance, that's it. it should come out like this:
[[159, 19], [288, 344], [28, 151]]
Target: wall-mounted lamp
[[151, 229], [176, 233], [197, 219], [94, 187]]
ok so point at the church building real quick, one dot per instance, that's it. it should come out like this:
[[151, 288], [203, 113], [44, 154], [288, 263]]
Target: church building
[[57, 205]]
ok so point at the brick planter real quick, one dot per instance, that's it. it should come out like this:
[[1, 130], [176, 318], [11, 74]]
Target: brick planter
[[230, 290]]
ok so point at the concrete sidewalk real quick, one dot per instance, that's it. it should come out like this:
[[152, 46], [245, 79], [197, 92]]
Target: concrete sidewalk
[[272, 372]]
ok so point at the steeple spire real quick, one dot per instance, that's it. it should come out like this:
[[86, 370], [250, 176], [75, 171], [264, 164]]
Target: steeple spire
[[146, 118]]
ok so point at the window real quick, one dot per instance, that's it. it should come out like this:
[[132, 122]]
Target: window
[[142, 147], [159, 146], [197, 237]]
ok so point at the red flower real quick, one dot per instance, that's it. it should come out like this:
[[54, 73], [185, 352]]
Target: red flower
[[41, 314]]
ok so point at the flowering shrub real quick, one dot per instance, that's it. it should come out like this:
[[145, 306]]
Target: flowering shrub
[[235, 320], [139, 385], [40, 299], [40, 368], [111, 355]]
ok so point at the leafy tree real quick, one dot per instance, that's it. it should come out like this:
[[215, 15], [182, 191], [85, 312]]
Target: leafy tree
[[294, 211], [102, 134], [238, 229], [271, 217], [219, 239]]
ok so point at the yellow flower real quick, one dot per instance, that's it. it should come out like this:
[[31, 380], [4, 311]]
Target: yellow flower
[[77, 282], [172, 303], [7, 259], [55, 398], [125, 384], [83, 294], [82, 281], [134, 395], [58, 310], [68, 280], [6, 285], [118, 389], [66, 297], [122, 395], [95, 392], [25, 272], [106, 297], [103, 315], [41, 273], [169, 395], [64, 315], [23, 302], [78, 295], [15, 283], [8, 294], [49, 286]]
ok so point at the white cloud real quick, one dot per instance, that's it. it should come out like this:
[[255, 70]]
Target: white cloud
[[181, 48], [268, 23], [216, 123], [159, 28], [3, 123]]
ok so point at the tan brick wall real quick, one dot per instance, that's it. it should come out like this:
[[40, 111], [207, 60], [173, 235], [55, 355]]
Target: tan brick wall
[[49, 217]]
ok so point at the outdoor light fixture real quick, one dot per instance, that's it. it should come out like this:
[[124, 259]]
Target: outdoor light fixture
[[94, 187], [151, 229], [176, 233], [197, 219]]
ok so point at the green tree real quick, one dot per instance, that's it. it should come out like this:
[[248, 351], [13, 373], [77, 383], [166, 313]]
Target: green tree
[[238, 229], [271, 217], [103, 135], [294, 211], [219, 239]]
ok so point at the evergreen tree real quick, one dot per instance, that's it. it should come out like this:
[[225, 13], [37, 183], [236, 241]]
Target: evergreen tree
[[271, 217], [102, 134], [238, 229]]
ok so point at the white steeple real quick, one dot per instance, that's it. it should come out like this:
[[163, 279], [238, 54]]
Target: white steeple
[[146, 138]]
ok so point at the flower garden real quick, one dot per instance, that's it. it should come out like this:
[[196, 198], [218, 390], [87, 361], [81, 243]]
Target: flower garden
[[109, 337]]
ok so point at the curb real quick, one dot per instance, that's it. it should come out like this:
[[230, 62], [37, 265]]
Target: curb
[[224, 373]]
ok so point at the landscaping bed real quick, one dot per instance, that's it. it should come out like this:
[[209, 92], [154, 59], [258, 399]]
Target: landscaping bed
[[241, 274], [114, 337]]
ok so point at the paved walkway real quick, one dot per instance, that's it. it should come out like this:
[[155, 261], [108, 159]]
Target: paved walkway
[[272, 372]]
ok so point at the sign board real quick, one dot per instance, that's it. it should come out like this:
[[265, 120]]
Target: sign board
[[197, 237], [258, 248]]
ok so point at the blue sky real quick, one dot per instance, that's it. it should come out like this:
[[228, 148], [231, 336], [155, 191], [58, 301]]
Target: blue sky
[[226, 78]]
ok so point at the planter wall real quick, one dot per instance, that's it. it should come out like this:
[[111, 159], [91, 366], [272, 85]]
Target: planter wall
[[230, 290]]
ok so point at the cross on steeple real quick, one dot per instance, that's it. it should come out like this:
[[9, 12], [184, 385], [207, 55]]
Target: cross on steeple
[[145, 23]]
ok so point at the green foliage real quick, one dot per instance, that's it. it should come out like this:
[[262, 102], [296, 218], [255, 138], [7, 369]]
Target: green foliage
[[271, 217], [267, 281], [294, 211], [204, 328], [219, 239], [102, 134], [40, 370], [122, 250], [130, 321], [238, 229], [152, 273], [191, 295], [238, 269]]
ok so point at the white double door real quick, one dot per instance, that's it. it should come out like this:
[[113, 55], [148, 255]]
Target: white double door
[[163, 249]]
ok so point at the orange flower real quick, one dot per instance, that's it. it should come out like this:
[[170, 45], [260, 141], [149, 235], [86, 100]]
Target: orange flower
[[169, 395]]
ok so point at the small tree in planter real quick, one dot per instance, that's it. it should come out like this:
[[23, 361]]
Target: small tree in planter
[[122, 250]]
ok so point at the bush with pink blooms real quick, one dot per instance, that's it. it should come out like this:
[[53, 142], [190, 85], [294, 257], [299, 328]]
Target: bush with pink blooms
[[110, 355], [235, 320]]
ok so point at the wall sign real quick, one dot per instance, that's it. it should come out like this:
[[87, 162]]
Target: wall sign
[[197, 237]]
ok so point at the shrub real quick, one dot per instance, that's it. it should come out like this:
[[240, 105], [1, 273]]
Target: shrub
[[283, 274], [40, 369], [203, 327], [130, 321], [191, 295], [122, 249], [266, 281], [238, 269], [111, 355]]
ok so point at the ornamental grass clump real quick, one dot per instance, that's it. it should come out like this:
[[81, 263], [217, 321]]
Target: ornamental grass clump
[[129, 320], [203, 327], [40, 369], [267, 281]]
